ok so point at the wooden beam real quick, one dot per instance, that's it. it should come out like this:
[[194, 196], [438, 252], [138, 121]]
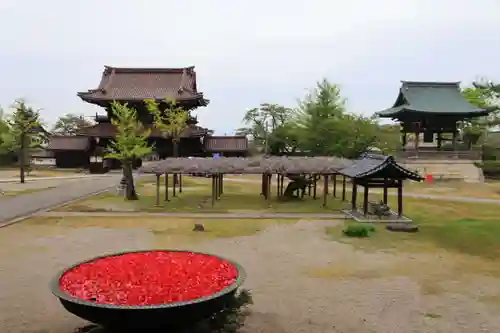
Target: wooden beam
[[365, 201], [180, 183], [343, 187], [400, 199], [354, 198], [157, 190], [166, 187], [325, 189], [174, 185], [213, 189], [334, 185], [385, 194]]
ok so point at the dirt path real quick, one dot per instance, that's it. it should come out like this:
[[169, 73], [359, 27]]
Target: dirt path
[[279, 262], [239, 215]]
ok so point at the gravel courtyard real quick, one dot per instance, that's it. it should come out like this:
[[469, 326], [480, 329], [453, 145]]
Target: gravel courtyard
[[301, 281]]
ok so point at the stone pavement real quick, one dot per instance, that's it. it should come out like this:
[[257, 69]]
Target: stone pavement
[[34, 179], [17, 206]]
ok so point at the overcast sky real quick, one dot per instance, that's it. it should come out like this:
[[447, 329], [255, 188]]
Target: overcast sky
[[245, 52]]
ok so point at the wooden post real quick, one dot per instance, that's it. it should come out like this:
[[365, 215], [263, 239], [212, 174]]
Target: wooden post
[[263, 185], [166, 187], [325, 189], [335, 185], [157, 190], [354, 193], [454, 144], [343, 188], [221, 183], [278, 182], [217, 190], [403, 140], [174, 184], [282, 184], [309, 186], [315, 180], [385, 191], [180, 183], [269, 179], [400, 198], [268, 188], [328, 188], [365, 201], [213, 189]]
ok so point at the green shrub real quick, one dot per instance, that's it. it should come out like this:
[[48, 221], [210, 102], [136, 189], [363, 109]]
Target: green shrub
[[358, 230], [490, 168]]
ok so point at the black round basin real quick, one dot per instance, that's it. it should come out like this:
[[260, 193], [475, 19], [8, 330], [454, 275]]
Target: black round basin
[[170, 316]]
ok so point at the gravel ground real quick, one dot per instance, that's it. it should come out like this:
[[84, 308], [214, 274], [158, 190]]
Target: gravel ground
[[278, 262]]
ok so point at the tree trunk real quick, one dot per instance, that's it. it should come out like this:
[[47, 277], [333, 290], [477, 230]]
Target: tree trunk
[[129, 177], [175, 144], [22, 158]]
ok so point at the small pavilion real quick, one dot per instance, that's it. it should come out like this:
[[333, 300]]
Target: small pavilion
[[377, 171], [431, 109]]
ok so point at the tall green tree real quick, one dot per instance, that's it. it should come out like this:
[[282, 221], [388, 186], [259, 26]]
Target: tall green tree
[[130, 143], [171, 121], [24, 133], [485, 95], [271, 128], [326, 128], [70, 124]]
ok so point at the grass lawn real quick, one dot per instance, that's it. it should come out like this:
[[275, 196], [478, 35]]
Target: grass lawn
[[456, 241], [196, 197], [469, 228], [454, 251], [490, 189]]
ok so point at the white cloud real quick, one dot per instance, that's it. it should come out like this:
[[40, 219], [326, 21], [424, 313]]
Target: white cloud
[[245, 52]]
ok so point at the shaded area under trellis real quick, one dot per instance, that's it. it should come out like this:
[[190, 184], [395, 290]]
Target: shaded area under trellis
[[304, 173]]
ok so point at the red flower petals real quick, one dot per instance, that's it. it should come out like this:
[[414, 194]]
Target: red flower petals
[[148, 278]]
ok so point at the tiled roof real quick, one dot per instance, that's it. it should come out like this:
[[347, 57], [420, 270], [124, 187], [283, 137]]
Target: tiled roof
[[225, 143], [68, 143], [130, 84], [431, 98], [108, 130], [375, 166]]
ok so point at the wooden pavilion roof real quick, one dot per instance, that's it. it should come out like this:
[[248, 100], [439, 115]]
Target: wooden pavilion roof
[[431, 98], [378, 166], [138, 84], [252, 165]]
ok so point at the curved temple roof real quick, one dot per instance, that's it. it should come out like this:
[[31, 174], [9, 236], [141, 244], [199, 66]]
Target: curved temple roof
[[137, 84], [378, 166], [438, 98]]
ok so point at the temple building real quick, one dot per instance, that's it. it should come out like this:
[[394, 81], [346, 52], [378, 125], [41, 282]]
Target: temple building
[[133, 86], [431, 112]]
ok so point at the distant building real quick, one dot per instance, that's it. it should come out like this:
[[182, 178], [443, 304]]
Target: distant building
[[133, 86]]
